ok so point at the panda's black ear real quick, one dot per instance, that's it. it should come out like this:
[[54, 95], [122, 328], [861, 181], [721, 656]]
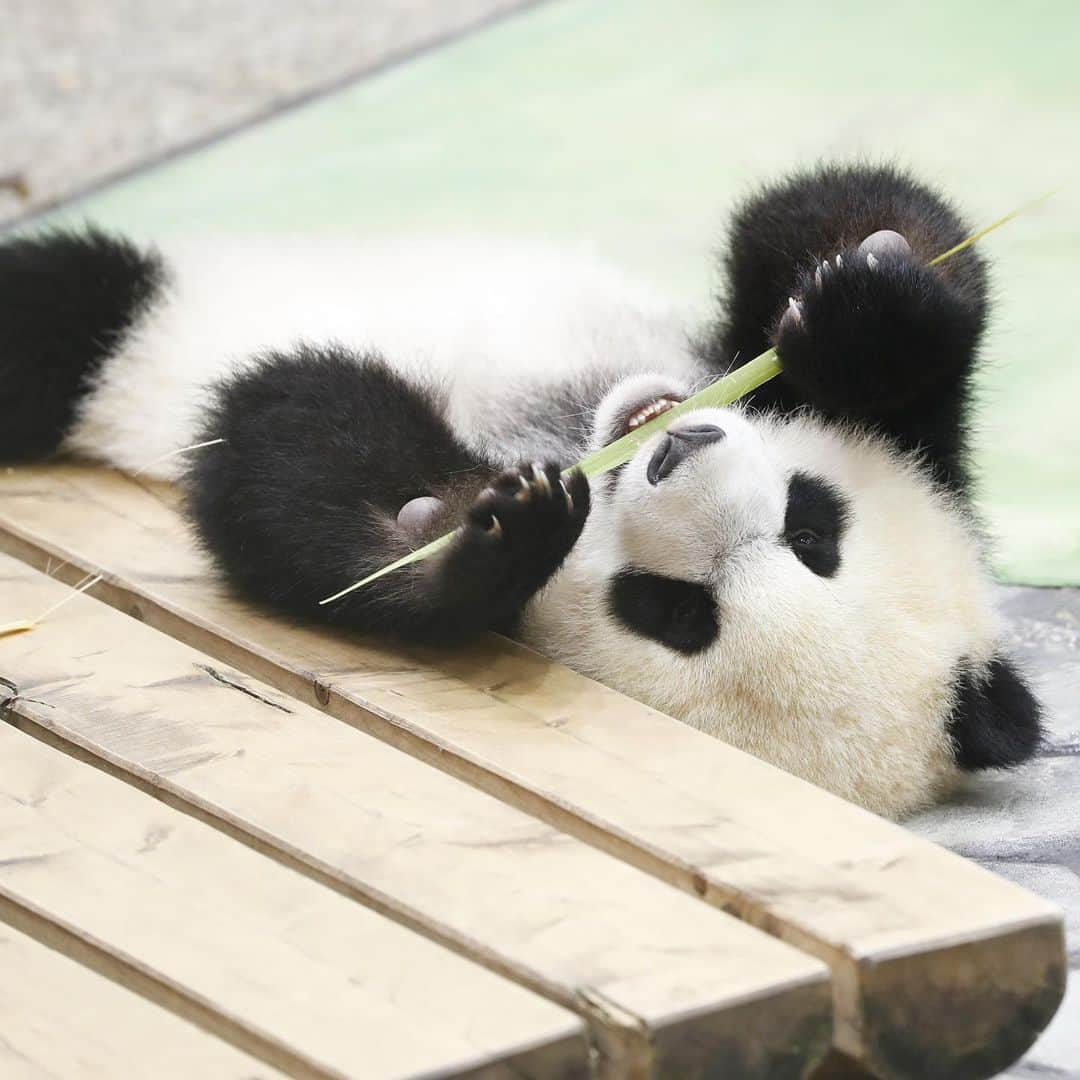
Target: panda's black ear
[[996, 721]]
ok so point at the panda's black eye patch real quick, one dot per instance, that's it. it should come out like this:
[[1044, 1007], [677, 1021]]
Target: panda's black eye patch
[[814, 523], [679, 614]]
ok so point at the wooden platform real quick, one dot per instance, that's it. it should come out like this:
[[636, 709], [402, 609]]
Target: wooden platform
[[273, 848]]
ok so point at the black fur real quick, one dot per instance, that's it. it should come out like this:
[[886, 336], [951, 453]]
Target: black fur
[[814, 523], [679, 614], [66, 298], [322, 448], [893, 347], [996, 722]]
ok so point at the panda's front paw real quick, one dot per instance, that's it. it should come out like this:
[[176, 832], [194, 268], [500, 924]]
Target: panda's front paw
[[872, 327], [516, 535], [532, 515]]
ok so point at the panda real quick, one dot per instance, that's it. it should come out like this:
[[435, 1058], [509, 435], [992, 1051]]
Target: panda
[[801, 575]]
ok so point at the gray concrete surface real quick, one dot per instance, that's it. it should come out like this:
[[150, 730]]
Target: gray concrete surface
[[91, 88]]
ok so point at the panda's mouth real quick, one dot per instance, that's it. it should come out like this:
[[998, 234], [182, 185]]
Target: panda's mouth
[[641, 414], [633, 416]]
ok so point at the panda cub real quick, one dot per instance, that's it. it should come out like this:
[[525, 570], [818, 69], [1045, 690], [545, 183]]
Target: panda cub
[[800, 575]]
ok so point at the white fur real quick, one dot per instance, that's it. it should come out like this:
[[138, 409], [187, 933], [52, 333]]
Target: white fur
[[844, 681], [472, 317]]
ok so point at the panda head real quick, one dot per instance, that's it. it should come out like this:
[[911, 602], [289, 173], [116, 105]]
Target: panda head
[[798, 589]]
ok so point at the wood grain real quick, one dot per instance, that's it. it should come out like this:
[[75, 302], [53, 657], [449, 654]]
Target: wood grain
[[909, 930], [285, 970], [59, 1019], [669, 985]]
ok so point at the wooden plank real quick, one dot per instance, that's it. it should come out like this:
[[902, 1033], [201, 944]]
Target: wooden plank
[[284, 969], [912, 933], [59, 1019], [669, 985]]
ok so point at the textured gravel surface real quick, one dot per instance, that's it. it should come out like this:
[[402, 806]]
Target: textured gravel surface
[[94, 87]]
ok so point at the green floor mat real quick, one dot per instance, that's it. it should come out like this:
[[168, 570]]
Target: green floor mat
[[629, 128]]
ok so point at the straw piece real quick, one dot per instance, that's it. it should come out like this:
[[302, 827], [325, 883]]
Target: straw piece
[[175, 453], [994, 225], [398, 564], [91, 580]]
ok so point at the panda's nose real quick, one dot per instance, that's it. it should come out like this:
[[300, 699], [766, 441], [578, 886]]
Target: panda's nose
[[677, 445]]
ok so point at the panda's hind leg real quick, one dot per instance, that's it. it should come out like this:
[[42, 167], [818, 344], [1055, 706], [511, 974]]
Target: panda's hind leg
[[67, 300]]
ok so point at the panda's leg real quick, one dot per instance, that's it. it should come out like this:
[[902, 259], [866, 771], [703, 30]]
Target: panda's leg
[[67, 302], [832, 266], [333, 465]]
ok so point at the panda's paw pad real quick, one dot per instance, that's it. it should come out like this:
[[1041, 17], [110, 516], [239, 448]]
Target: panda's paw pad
[[532, 511], [884, 244]]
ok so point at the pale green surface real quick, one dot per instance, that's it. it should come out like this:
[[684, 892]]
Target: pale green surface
[[629, 127]]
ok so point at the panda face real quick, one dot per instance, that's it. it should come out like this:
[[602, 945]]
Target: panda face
[[747, 511], [800, 590]]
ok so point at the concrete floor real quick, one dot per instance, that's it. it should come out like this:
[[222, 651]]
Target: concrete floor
[[93, 89]]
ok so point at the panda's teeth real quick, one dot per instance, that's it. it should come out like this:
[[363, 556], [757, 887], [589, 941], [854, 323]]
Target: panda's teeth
[[649, 412]]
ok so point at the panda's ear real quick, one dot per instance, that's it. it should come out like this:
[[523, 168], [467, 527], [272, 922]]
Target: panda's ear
[[996, 721]]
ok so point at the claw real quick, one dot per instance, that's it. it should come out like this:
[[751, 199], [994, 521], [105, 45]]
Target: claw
[[839, 262], [540, 479], [871, 261], [525, 494], [495, 528], [795, 310], [569, 497], [818, 278]]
